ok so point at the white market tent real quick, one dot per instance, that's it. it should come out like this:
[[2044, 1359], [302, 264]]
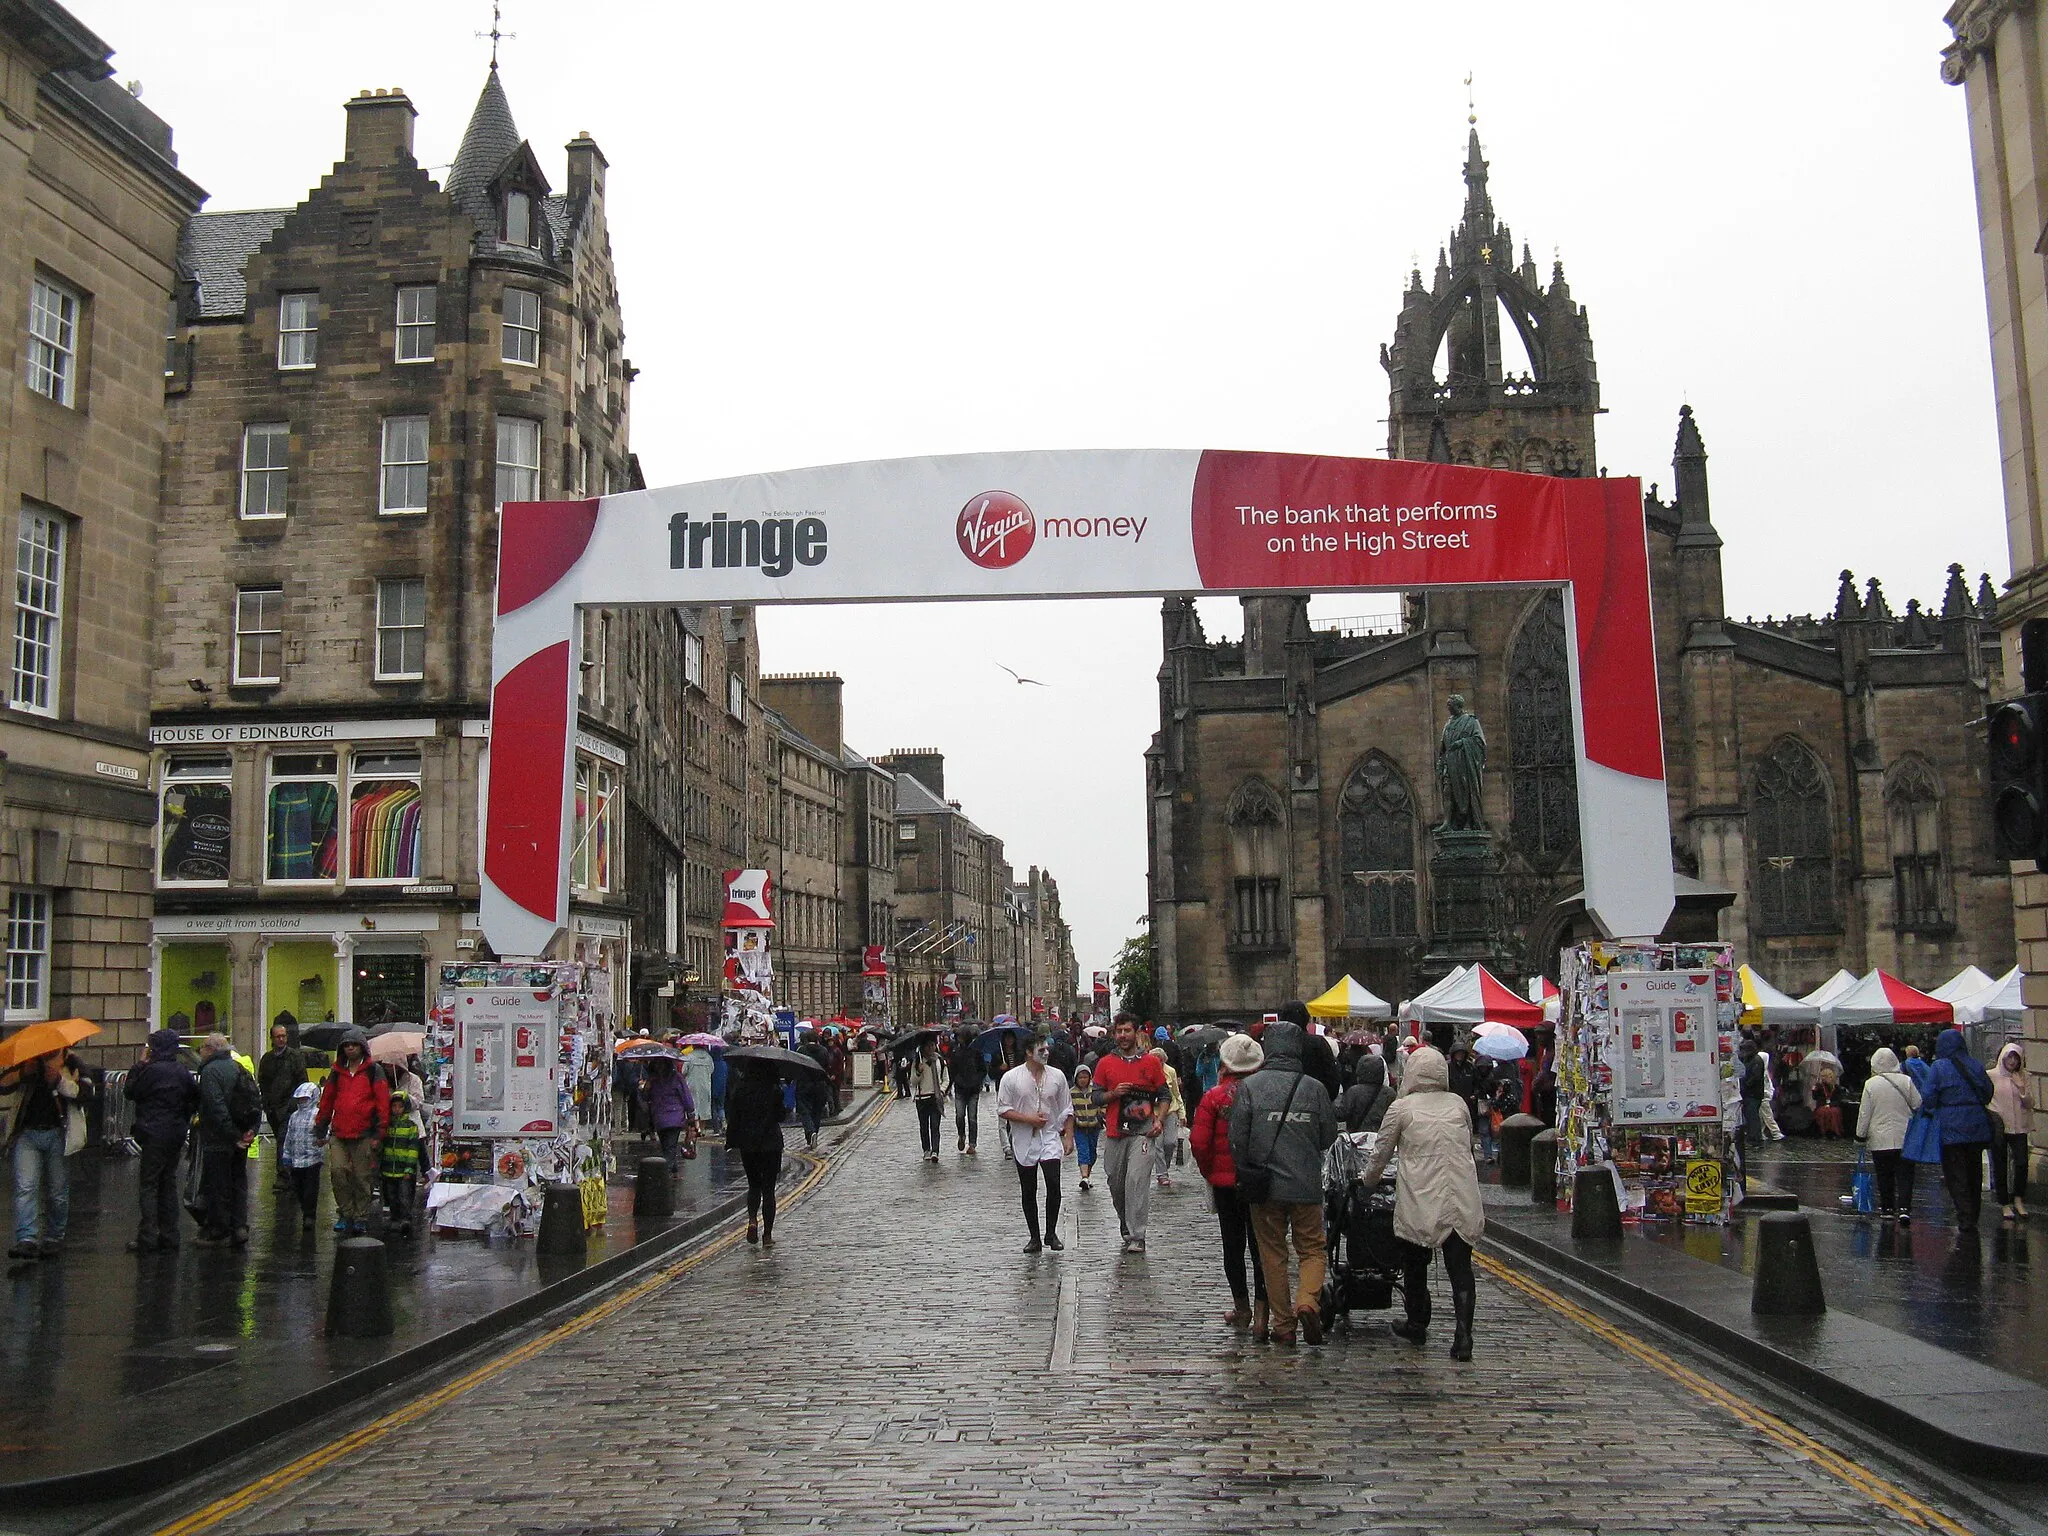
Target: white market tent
[[1967, 982], [1997, 1004], [1430, 994], [1830, 989], [1880, 1000], [1763, 1003], [1475, 997]]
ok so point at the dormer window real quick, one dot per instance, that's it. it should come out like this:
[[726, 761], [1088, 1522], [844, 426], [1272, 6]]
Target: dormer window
[[518, 219]]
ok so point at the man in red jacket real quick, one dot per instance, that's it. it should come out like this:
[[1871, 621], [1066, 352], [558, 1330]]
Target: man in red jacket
[[355, 1110], [1133, 1084]]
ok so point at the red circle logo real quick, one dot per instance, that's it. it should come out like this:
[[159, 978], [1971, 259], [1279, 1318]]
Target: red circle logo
[[996, 529]]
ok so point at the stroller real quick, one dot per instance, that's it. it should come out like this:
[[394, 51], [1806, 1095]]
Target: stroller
[[1358, 1225]]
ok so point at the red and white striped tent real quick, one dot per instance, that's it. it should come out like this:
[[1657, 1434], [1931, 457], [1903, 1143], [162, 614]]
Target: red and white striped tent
[[1878, 999], [1473, 998], [1543, 990]]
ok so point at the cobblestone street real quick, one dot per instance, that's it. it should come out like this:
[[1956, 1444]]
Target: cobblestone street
[[896, 1363]]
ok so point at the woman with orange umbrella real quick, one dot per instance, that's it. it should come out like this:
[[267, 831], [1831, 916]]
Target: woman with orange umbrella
[[46, 1127]]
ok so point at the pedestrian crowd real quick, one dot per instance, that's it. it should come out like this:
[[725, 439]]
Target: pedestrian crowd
[[1256, 1109]]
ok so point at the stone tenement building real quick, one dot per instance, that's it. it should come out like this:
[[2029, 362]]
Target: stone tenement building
[[1826, 788], [364, 378], [88, 268], [1996, 56], [721, 675]]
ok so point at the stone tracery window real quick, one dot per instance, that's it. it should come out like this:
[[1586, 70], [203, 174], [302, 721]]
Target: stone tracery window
[[1792, 830], [1257, 912], [1912, 808], [1376, 840], [1543, 780]]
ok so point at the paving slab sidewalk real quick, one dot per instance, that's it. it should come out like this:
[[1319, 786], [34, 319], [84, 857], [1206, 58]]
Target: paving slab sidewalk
[[124, 1371]]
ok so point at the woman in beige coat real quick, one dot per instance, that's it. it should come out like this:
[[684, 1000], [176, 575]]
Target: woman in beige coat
[[2009, 1151], [1436, 1200]]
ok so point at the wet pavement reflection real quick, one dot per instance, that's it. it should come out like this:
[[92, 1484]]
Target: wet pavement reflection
[[110, 1356]]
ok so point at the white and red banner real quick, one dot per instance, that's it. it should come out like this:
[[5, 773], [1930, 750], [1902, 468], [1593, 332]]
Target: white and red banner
[[1107, 523], [749, 899]]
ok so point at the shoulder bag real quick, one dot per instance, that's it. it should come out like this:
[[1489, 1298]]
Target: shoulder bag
[[1255, 1177]]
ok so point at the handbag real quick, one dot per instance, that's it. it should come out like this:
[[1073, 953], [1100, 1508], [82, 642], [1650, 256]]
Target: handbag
[[1255, 1179], [1923, 1136], [1863, 1185]]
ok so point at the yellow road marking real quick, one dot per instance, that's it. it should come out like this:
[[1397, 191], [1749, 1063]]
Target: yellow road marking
[[369, 1434], [1889, 1495]]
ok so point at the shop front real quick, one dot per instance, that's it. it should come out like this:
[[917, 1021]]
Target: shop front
[[237, 971]]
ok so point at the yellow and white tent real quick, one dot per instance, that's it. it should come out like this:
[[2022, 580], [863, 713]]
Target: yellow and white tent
[[1350, 999], [1763, 1003]]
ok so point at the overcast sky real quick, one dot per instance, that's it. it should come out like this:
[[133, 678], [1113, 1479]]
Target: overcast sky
[[849, 232]]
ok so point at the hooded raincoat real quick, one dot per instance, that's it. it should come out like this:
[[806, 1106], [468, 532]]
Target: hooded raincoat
[[1889, 1099], [1297, 1144], [1438, 1188], [1961, 1090]]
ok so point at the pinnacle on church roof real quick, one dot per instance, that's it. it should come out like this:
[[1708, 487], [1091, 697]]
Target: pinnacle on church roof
[[1690, 445], [1874, 605], [1439, 441], [487, 143], [1955, 598], [1917, 630], [1477, 203], [1846, 606], [1987, 598]]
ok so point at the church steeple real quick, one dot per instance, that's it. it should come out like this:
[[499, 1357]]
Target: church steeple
[[1452, 360]]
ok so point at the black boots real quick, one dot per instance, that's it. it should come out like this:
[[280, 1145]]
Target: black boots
[[1464, 1300], [1415, 1297]]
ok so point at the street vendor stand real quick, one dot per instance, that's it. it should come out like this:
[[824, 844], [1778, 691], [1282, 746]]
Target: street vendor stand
[[1644, 1072], [1350, 999]]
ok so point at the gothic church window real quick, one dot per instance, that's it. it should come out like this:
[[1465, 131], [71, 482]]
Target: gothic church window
[[1255, 817], [1793, 831], [1912, 808], [1376, 838], [1543, 781]]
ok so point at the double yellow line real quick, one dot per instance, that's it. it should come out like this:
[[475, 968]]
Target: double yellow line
[[1888, 1495], [298, 1471]]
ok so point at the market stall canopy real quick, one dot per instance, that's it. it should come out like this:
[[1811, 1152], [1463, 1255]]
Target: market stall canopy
[[1763, 1003], [1997, 1004], [1428, 994], [1543, 990], [1878, 999], [1350, 999], [1830, 989], [1967, 982], [1477, 996]]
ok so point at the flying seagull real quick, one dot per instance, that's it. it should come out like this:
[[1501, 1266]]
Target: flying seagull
[[1021, 679]]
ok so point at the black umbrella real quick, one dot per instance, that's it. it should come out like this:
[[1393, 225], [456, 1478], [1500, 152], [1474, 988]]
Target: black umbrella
[[909, 1042], [327, 1037], [986, 1040], [1199, 1037], [776, 1059]]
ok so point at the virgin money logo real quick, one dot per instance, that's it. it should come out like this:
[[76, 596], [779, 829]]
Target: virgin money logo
[[996, 529]]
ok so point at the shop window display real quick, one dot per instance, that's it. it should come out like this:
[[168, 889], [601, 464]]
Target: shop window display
[[195, 821], [303, 817], [384, 816]]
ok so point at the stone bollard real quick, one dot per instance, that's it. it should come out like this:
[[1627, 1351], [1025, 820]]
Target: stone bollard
[[1596, 1212], [359, 1298], [561, 1222], [1516, 1132], [1543, 1168], [654, 1193], [1787, 1273]]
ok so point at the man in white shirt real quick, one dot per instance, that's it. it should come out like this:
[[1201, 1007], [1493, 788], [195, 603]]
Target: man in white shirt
[[1039, 1109]]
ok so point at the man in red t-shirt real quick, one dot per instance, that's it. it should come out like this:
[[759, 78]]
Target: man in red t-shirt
[[1133, 1084]]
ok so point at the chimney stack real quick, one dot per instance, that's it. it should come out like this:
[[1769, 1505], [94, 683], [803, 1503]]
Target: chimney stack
[[586, 171], [380, 128]]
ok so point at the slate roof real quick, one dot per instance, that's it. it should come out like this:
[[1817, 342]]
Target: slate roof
[[487, 143], [216, 247], [913, 799]]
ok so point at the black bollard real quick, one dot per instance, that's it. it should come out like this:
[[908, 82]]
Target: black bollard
[[1543, 1168], [561, 1222], [654, 1195], [1596, 1211], [359, 1298], [1516, 1132], [1787, 1273]]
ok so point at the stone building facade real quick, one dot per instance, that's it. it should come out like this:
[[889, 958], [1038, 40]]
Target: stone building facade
[[1997, 55], [88, 271], [366, 377], [721, 677], [1825, 783], [805, 780]]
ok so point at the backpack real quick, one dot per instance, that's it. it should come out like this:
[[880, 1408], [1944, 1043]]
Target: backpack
[[245, 1101]]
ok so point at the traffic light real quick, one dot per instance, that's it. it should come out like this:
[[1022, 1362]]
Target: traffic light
[[2018, 747]]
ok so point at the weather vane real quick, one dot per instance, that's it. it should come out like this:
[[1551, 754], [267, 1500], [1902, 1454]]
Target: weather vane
[[496, 35], [1471, 111]]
